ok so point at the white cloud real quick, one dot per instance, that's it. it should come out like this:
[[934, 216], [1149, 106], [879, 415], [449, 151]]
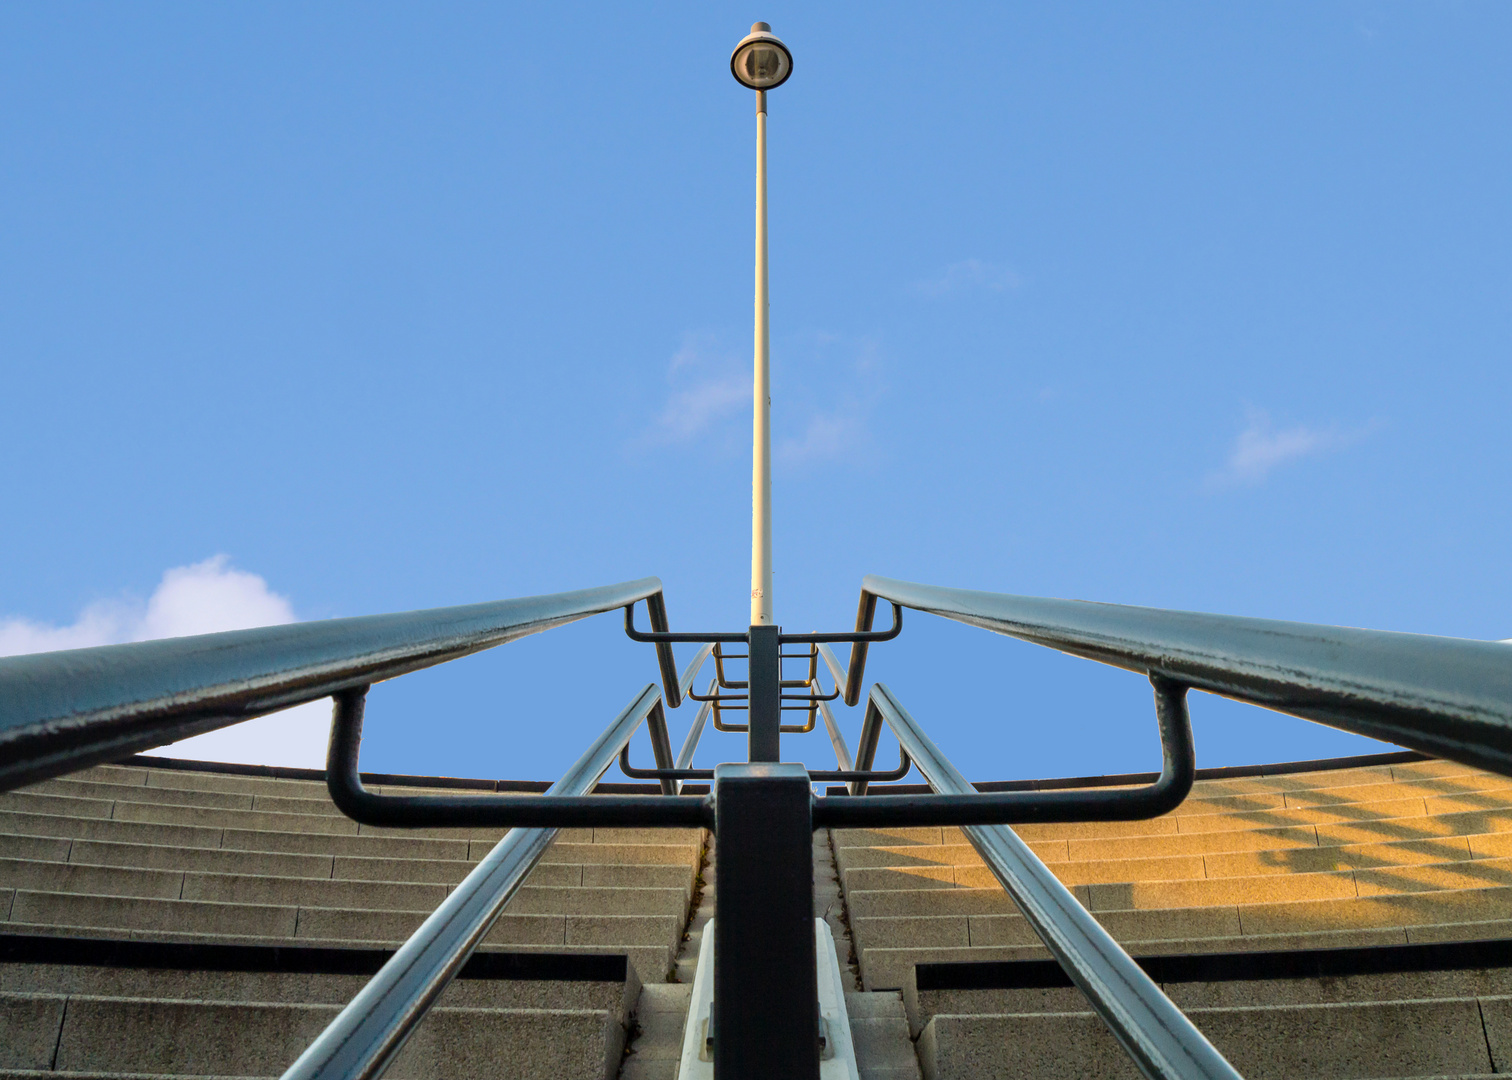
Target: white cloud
[[101, 623], [707, 386], [204, 598], [710, 398], [1261, 448], [692, 411], [828, 435], [969, 274], [830, 422]]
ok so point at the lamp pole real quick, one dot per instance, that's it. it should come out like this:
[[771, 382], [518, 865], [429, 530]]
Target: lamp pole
[[761, 61], [761, 437]]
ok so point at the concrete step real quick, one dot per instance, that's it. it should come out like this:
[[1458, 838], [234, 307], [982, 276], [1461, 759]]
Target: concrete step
[[176, 857], [200, 780], [656, 1046], [965, 990], [1299, 860], [829, 905], [1172, 824], [652, 963], [312, 800], [607, 852], [561, 866], [309, 988], [702, 910], [989, 925], [1456, 1036], [96, 789], [46, 848], [535, 896], [38, 828], [1321, 807], [86, 1033], [131, 832], [1492, 826], [880, 1035], [227, 888], [1199, 892], [1332, 778], [886, 967], [526, 920]]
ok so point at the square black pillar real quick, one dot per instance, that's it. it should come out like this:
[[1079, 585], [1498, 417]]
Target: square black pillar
[[764, 645], [766, 989]]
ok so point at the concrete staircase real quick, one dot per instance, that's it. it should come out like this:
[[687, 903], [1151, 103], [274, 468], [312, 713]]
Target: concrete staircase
[[1351, 922], [196, 923], [879, 1025], [1313, 899]]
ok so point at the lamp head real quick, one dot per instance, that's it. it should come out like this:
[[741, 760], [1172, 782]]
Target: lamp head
[[761, 61]]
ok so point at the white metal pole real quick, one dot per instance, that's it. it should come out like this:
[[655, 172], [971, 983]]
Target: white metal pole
[[761, 451]]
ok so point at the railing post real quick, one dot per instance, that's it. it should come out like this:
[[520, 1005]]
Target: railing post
[[766, 990], [764, 646]]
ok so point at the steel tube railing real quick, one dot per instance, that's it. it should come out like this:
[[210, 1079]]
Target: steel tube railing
[[1177, 773], [836, 736], [366, 1035], [64, 711], [695, 732], [344, 782], [1155, 1033], [685, 681], [1449, 697]]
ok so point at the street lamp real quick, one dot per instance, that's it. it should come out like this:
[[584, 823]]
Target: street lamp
[[761, 62]]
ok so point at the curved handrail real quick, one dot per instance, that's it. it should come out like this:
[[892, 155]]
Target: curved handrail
[[1449, 697], [344, 782], [63, 711], [970, 807]]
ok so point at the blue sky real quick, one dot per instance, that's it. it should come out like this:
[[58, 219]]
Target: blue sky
[[335, 309]]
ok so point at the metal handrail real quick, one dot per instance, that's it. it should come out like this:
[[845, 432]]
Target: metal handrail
[[695, 733], [685, 681], [366, 1035], [860, 810], [344, 782], [64, 711], [1164, 1044], [1449, 697], [680, 773], [695, 730], [836, 736]]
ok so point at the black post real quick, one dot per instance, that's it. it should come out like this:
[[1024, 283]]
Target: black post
[[765, 647], [766, 989]]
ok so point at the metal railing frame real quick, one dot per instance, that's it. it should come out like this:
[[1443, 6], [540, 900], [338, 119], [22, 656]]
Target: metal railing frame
[[1155, 1033], [61, 712], [562, 810], [366, 1036], [970, 807], [64, 711], [1449, 697]]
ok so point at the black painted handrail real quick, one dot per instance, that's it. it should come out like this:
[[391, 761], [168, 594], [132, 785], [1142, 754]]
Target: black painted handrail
[[1449, 697], [859, 810], [64, 711], [344, 782]]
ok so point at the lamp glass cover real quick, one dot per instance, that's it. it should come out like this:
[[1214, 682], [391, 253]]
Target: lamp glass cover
[[760, 65]]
